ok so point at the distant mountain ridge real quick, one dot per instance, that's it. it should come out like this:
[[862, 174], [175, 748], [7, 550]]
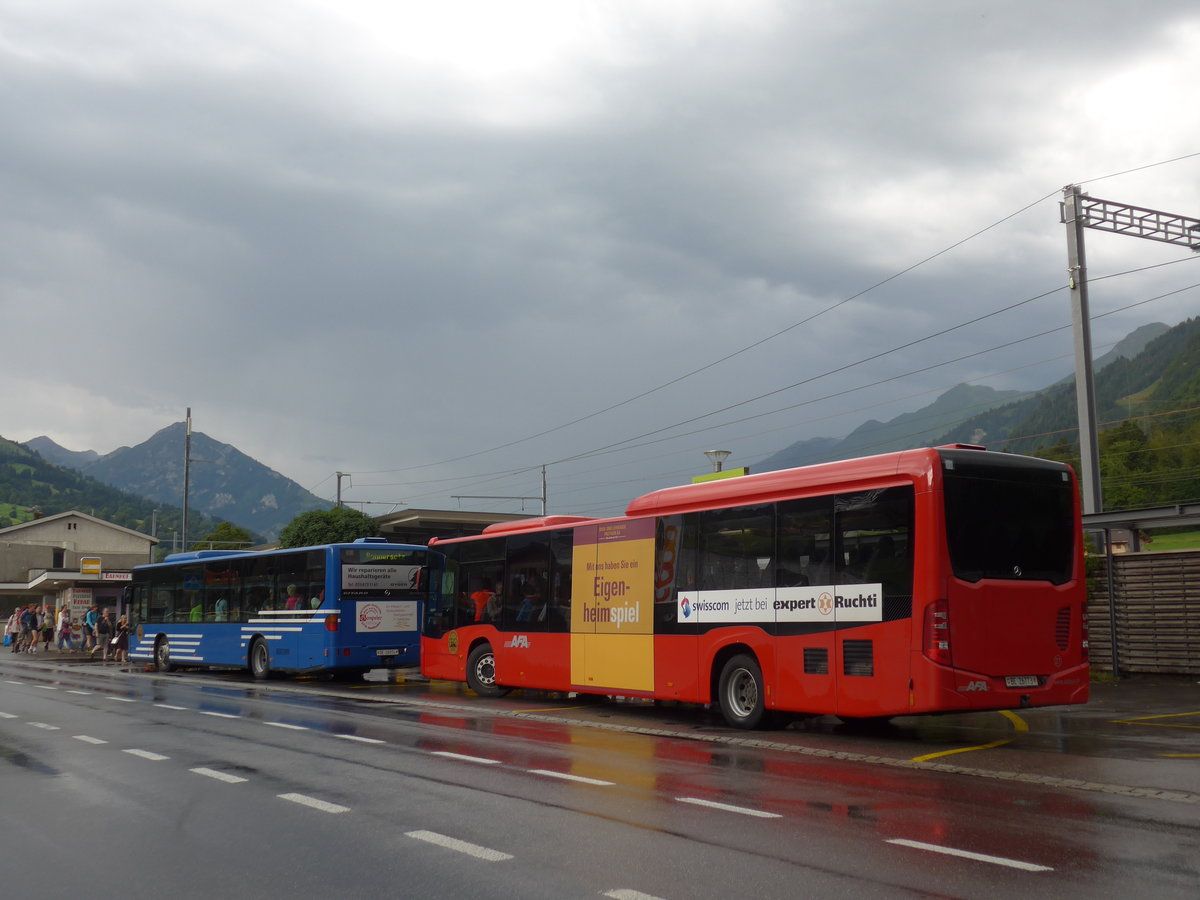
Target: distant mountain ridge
[[31, 485], [977, 414], [224, 483]]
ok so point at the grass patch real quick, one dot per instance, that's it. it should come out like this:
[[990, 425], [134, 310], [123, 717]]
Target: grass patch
[[1185, 540]]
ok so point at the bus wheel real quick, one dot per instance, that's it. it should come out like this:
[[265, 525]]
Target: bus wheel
[[260, 660], [740, 692], [162, 655], [481, 672]]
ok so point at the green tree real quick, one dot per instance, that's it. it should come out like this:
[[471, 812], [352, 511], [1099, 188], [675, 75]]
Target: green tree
[[1124, 466], [226, 536], [327, 526]]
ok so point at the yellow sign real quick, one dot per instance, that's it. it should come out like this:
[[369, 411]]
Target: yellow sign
[[612, 606], [724, 473], [89, 565]]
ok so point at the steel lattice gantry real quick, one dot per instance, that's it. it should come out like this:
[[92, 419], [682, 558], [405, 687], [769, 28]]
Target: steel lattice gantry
[[1135, 221]]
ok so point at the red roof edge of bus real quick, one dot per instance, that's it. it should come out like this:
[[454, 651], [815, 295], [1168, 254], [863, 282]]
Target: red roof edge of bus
[[531, 524], [748, 489], [534, 523]]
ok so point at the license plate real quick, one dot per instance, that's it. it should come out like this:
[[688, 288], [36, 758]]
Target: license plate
[[1018, 681], [387, 652]]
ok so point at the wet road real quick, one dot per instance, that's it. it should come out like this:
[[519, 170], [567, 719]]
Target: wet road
[[205, 783]]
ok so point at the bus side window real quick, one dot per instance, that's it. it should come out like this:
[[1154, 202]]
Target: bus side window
[[737, 548], [874, 533], [805, 551]]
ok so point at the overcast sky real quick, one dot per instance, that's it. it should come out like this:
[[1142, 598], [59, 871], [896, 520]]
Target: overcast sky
[[431, 243]]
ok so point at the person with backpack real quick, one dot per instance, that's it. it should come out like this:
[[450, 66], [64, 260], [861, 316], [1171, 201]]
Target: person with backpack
[[89, 628], [104, 633], [29, 629], [46, 621]]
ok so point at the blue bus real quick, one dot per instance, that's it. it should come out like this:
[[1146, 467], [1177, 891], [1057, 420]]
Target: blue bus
[[342, 608]]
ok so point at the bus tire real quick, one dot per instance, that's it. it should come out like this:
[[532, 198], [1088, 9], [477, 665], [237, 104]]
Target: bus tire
[[741, 694], [481, 672], [162, 655], [260, 660]]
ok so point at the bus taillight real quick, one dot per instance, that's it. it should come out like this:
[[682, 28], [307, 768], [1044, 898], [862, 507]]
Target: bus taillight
[[937, 632], [331, 622], [1084, 631]]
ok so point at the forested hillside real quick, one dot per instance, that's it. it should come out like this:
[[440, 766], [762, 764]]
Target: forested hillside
[[1150, 415], [28, 481]]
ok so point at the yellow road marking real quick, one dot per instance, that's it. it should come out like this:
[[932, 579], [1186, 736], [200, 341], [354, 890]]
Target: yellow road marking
[[1019, 725], [941, 753], [1148, 720], [1018, 722], [1180, 755]]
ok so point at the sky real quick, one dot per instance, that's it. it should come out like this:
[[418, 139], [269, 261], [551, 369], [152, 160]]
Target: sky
[[438, 246]]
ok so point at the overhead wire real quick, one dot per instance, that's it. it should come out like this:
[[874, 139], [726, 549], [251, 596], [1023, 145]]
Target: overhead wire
[[626, 444]]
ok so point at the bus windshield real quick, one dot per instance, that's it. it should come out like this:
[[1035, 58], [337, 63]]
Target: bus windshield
[[1008, 518]]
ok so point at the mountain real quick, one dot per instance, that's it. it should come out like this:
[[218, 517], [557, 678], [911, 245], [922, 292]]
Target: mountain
[[1158, 379], [975, 414], [914, 429], [60, 456], [31, 485], [224, 483]]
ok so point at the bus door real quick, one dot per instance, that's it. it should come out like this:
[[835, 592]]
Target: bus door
[[676, 651], [804, 622], [872, 599]]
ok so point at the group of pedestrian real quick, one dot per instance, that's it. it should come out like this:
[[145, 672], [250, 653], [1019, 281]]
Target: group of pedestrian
[[30, 625]]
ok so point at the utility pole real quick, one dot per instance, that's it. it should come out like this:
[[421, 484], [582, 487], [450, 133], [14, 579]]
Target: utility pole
[[1079, 211], [187, 473]]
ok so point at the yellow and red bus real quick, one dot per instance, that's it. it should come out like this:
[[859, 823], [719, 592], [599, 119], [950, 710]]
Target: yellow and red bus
[[933, 580]]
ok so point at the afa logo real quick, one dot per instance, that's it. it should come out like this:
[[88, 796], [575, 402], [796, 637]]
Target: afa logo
[[686, 607]]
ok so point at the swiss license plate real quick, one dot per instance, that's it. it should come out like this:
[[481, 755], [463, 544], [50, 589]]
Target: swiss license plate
[[1019, 681], [387, 652]]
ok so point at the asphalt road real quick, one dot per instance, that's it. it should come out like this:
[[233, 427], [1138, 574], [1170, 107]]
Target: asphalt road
[[198, 784]]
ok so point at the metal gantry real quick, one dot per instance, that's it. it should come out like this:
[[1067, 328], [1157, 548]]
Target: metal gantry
[[1079, 211]]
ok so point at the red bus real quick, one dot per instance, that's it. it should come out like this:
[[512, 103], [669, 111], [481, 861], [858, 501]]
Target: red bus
[[933, 580]]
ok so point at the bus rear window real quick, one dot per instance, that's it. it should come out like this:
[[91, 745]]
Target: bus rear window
[[1011, 520]]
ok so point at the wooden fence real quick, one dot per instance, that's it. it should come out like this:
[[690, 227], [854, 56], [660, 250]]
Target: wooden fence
[[1155, 611]]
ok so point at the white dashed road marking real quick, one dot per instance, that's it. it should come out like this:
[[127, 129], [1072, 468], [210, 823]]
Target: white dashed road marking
[[741, 810], [483, 761], [484, 853], [565, 776], [219, 776], [314, 803], [145, 754], [967, 854]]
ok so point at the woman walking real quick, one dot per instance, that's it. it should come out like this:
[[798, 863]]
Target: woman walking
[[122, 640], [64, 629], [12, 631]]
